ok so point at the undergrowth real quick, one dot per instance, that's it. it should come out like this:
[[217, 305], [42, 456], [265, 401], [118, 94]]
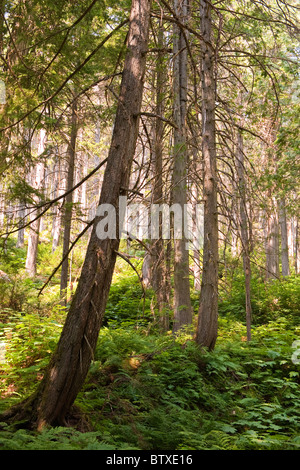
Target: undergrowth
[[158, 392], [147, 390]]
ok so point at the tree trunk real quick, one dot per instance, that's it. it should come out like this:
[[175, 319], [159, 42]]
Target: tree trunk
[[207, 327], [57, 215], [70, 363], [244, 230], [293, 241], [285, 268], [83, 170], [2, 206], [68, 205], [21, 232], [297, 246], [33, 237], [182, 301], [2, 16], [33, 241], [158, 257], [196, 168], [272, 245]]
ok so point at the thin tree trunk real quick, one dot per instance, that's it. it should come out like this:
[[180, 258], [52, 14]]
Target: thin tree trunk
[[57, 212], [21, 232], [197, 270], [32, 248], [272, 245], [2, 13], [2, 206], [158, 262], [293, 238], [195, 191], [82, 196], [297, 246], [207, 327], [68, 205], [285, 268], [244, 230], [34, 231], [182, 301], [70, 363]]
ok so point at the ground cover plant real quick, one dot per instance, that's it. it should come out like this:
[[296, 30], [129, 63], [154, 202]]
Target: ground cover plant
[[149, 224], [152, 390]]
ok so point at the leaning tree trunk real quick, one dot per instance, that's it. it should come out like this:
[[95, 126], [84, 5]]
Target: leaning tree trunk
[[182, 300], [70, 362], [207, 327]]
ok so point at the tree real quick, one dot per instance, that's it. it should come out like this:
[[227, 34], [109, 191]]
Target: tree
[[284, 238], [227, 57], [37, 183], [244, 232], [158, 255], [69, 203], [207, 326], [70, 362], [182, 300]]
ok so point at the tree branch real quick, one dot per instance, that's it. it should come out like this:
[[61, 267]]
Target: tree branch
[[50, 203]]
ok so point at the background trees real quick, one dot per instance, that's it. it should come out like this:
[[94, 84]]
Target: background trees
[[215, 124]]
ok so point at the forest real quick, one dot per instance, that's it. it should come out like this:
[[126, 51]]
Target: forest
[[149, 225]]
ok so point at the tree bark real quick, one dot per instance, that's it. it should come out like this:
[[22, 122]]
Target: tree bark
[[285, 268], [57, 211], [70, 363], [182, 301], [158, 256], [207, 327], [272, 244], [33, 237], [68, 205], [2, 13], [297, 246], [243, 222], [21, 232], [196, 168]]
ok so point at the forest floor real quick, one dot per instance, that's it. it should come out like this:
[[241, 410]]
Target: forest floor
[[148, 390]]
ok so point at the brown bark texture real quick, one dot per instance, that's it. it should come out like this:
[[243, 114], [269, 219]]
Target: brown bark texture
[[182, 300], [207, 326], [285, 267], [158, 268], [68, 204]]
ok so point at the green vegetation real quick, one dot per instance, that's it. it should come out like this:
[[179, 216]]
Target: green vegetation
[[151, 390], [187, 340]]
